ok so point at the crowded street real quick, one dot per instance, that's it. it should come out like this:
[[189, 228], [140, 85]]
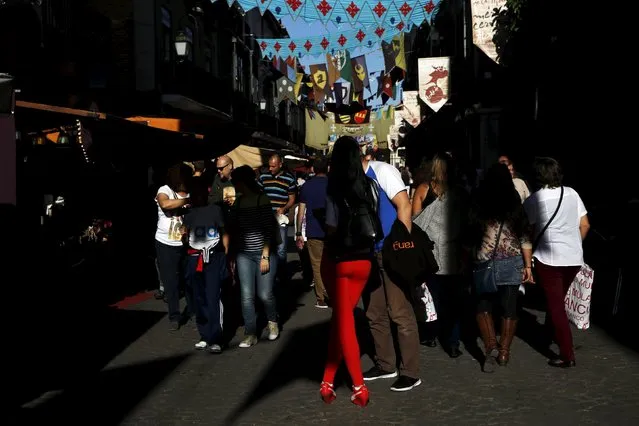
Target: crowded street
[[299, 212]]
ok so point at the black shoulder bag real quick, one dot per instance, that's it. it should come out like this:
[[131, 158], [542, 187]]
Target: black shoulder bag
[[363, 228]]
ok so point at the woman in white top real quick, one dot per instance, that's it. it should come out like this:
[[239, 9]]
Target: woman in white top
[[171, 200], [560, 224]]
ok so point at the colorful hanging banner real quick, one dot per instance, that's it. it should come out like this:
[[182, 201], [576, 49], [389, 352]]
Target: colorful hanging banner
[[398, 14], [285, 90], [331, 43], [434, 81]]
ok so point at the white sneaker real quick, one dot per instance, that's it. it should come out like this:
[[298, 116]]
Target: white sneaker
[[273, 330], [201, 345], [248, 342], [215, 349]]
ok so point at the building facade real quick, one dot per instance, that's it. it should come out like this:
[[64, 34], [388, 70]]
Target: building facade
[[120, 56]]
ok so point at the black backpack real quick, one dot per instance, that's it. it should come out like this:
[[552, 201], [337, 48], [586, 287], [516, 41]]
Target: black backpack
[[359, 227]]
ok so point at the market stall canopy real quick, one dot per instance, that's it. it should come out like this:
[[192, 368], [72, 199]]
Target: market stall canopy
[[120, 139], [256, 157], [252, 156]]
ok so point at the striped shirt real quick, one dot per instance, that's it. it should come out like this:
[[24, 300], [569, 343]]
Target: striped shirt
[[254, 222], [278, 188]]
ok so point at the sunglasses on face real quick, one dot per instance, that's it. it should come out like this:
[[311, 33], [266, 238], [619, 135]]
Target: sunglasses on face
[[219, 169]]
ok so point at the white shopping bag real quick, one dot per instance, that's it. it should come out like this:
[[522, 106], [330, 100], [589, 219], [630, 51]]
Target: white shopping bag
[[577, 300], [431, 314]]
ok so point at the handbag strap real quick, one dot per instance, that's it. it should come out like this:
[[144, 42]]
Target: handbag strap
[[538, 239]]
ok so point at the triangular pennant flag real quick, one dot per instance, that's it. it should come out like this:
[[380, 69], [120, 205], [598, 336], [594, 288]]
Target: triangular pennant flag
[[339, 15], [298, 84], [389, 54], [263, 6], [398, 47], [324, 9], [352, 9], [344, 65], [360, 73], [380, 85], [406, 12], [331, 64], [393, 16], [379, 12], [295, 7]]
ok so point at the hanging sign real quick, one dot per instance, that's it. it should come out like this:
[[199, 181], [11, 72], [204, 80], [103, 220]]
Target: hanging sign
[[434, 81], [483, 28]]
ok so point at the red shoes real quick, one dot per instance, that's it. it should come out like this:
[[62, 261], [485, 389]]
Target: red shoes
[[360, 395], [327, 393]]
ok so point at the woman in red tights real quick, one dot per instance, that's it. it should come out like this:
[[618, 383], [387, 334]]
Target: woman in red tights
[[350, 215]]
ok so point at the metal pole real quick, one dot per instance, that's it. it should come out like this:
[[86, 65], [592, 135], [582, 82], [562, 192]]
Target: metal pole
[[465, 24]]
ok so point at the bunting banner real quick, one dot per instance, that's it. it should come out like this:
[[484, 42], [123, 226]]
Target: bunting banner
[[434, 81], [398, 14], [360, 117], [285, 90], [360, 73], [319, 76], [342, 93], [331, 43]]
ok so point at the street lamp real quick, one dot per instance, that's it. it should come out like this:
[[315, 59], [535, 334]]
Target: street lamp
[[182, 45]]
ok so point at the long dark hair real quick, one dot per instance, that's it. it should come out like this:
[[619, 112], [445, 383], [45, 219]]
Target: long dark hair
[[346, 178], [178, 177], [246, 176], [499, 200]]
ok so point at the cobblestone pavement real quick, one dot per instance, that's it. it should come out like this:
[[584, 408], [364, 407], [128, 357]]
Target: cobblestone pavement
[[157, 379]]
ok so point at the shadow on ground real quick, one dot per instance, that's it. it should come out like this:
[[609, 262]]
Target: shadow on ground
[[64, 357], [105, 397]]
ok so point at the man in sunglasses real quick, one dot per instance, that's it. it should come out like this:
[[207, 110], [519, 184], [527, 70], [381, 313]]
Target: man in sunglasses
[[222, 184]]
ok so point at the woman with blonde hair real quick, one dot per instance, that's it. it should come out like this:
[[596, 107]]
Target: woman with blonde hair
[[443, 221]]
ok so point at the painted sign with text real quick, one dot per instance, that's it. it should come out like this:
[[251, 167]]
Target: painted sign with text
[[483, 28]]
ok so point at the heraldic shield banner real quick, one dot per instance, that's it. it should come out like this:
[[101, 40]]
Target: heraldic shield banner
[[434, 81]]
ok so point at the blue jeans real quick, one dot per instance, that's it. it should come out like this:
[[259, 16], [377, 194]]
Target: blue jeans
[[282, 254], [207, 288], [251, 278]]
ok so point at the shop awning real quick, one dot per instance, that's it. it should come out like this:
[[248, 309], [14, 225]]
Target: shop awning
[[170, 124], [276, 143], [194, 107], [143, 138], [257, 157]]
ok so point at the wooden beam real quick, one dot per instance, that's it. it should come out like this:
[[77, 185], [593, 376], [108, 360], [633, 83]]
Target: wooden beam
[[61, 110]]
